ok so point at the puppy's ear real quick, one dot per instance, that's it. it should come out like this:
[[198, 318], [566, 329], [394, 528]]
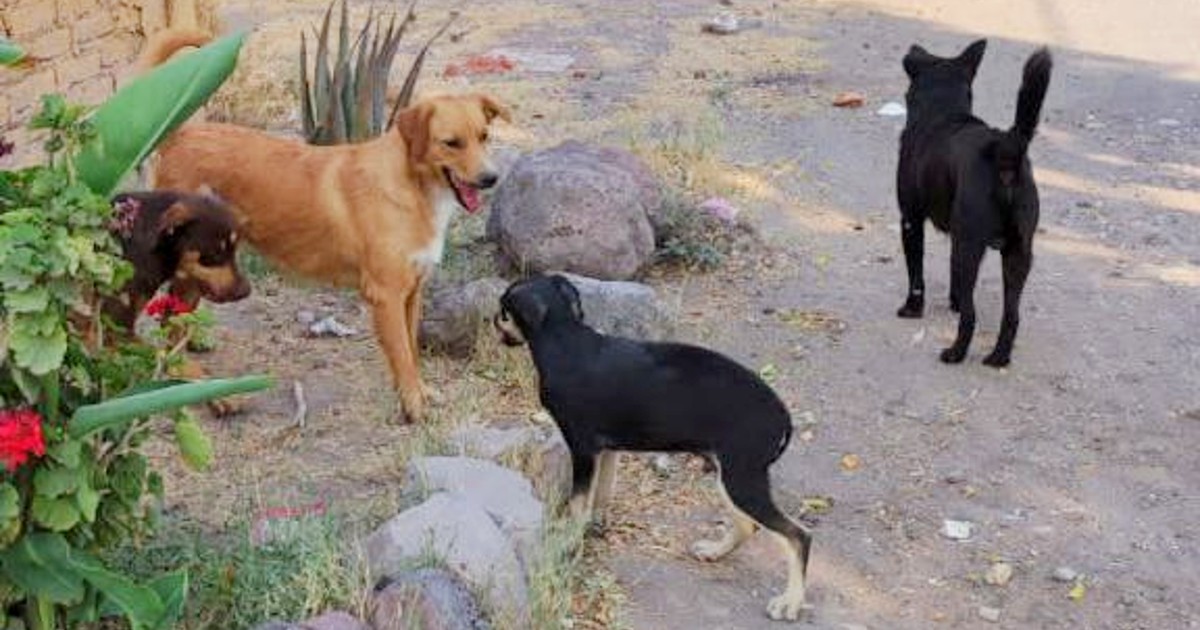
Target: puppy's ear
[[570, 294], [175, 217], [916, 59], [972, 56], [493, 109], [528, 307], [413, 125]]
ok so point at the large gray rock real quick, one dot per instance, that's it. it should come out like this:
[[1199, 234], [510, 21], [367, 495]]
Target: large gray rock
[[458, 531], [453, 315], [336, 620], [429, 599], [576, 207], [625, 309], [538, 451], [504, 494]]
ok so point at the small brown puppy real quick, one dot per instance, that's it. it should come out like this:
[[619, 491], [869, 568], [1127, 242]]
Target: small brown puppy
[[372, 215]]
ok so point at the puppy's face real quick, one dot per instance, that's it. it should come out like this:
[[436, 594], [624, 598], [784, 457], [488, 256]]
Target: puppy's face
[[450, 135], [204, 236], [529, 306], [941, 83]]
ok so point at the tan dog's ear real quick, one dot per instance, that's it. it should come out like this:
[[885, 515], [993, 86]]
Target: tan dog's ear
[[413, 125], [493, 108], [175, 217]]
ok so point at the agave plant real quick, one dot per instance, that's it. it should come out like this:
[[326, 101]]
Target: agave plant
[[346, 101]]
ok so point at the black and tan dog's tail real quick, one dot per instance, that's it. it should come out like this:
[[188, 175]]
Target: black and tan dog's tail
[[1034, 83]]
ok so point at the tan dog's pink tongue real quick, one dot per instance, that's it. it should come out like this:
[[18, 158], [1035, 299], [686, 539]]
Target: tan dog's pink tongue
[[470, 197]]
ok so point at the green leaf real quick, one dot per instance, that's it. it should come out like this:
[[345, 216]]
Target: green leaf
[[56, 515], [51, 482], [140, 604], [10, 502], [87, 500], [116, 411], [66, 453], [172, 590], [10, 53], [135, 119], [39, 353], [41, 565], [193, 444], [30, 300]]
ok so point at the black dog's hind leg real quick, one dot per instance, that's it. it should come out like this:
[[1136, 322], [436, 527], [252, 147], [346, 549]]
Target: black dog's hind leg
[[912, 235], [1016, 264], [966, 257], [749, 488], [583, 471]]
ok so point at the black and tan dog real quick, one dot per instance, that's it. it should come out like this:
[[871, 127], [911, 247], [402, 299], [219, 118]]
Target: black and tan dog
[[972, 181], [187, 240], [609, 394]]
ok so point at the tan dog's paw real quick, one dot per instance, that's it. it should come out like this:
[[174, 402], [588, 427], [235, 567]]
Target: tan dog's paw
[[225, 407], [412, 409], [787, 607], [433, 395]]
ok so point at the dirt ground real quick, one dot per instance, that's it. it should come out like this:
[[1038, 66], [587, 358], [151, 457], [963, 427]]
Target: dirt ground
[[1080, 455]]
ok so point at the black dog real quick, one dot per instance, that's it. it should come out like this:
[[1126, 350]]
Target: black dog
[[611, 394], [972, 181]]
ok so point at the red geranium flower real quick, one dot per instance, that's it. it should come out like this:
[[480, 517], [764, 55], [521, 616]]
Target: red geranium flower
[[167, 305], [20, 437]]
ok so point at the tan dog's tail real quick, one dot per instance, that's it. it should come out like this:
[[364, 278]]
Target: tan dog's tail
[[162, 45]]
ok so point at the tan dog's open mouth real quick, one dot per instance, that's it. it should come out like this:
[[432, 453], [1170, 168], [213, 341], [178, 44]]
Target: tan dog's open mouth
[[466, 194]]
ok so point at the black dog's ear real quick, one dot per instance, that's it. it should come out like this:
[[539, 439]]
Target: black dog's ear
[[916, 59], [972, 56], [570, 294], [527, 306], [178, 215]]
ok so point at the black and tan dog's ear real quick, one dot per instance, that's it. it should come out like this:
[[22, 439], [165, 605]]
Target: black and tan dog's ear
[[972, 56], [570, 294], [175, 217], [413, 125], [493, 108], [916, 59]]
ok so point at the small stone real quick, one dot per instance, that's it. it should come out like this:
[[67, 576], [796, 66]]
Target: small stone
[[663, 465], [892, 109], [1065, 574], [849, 99], [851, 462], [723, 24], [1084, 203], [955, 477], [1169, 122], [957, 530], [305, 317], [999, 574], [331, 327], [987, 613]]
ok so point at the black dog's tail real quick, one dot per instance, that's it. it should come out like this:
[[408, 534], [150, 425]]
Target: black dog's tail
[[784, 440], [1033, 91], [1007, 149]]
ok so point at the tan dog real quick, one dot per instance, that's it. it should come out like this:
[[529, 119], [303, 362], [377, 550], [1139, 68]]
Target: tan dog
[[372, 215]]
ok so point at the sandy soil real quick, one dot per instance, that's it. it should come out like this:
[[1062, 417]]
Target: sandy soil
[[1081, 455]]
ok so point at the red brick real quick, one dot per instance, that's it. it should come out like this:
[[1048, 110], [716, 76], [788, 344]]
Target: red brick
[[154, 16], [74, 9], [73, 70], [92, 91], [28, 93], [30, 17], [115, 50], [5, 112], [50, 45], [91, 27]]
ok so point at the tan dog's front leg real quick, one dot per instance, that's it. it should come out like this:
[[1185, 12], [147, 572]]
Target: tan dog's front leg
[[390, 314]]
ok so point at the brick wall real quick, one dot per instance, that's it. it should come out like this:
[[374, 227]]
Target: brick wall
[[82, 49]]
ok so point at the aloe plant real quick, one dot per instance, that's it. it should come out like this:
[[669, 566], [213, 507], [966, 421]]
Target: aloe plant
[[10, 53], [346, 100], [134, 120]]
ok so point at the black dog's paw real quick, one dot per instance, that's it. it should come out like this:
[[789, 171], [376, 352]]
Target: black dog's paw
[[913, 308], [953, 354], [953, 304], [997, 360]]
